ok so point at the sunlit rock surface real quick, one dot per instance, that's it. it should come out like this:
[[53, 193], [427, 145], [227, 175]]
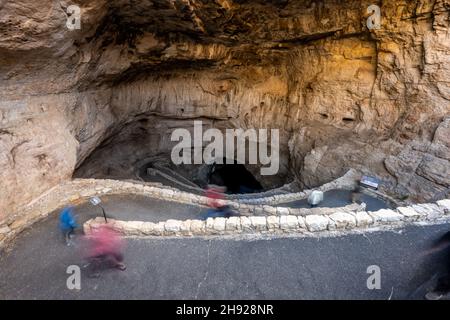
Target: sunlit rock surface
[[106, 96]]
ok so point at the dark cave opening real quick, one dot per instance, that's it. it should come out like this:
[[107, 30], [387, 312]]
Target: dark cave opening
[[235, 177], [141, 149]]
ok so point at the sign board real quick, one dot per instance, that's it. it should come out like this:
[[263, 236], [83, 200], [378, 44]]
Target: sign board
[[95, 201], [370, 182]]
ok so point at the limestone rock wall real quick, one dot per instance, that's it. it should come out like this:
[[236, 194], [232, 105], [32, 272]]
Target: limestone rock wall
[[342, 95]]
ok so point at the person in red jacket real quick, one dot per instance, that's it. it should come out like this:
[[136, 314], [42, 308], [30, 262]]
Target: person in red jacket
[[105, 247], [215, 195]]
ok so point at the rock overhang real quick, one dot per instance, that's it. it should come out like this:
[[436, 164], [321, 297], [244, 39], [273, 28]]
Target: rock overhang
[[312, 69]]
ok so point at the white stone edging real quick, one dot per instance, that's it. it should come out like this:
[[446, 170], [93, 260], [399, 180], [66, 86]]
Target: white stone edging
[[80, 190], [279, 224]]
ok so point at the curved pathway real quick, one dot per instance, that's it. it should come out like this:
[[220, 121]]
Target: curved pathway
[[222, 267], [140, 208]]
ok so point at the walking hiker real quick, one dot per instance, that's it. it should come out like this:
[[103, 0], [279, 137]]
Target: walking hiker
[[67, 223], [315, 198], [215, 195], [105, 249], [442, 287], [356, 195]]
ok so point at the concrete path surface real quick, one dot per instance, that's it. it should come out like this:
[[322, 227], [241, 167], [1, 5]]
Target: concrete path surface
[[226, 268]]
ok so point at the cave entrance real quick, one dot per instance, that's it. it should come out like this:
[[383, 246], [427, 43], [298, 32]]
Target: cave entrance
[[235, 177], [142, 150]]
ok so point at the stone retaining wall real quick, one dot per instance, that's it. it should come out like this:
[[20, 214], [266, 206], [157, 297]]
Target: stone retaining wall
[[280, 224], [80, 190], [347, 181], [281, 195]]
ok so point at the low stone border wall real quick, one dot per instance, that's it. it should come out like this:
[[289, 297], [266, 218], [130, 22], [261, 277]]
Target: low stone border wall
[[80, 190], [281, 195], [347, 181], [280, 224]]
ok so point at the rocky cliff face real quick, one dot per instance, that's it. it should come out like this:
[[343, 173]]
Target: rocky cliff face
[[342, 95]]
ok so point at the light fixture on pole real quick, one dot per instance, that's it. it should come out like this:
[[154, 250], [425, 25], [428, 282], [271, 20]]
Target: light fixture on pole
[[95, 201]]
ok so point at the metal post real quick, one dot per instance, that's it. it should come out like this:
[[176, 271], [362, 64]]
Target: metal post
[[104, 213]]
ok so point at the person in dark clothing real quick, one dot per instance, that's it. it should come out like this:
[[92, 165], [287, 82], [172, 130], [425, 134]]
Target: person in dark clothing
[[220, 212], [356, 196], [442, 287]]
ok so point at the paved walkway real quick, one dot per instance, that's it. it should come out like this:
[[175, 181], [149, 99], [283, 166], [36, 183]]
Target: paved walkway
[[225, 268], [138, 208], [332, 198]]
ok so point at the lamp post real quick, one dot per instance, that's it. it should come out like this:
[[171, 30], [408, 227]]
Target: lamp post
[[95, 201]]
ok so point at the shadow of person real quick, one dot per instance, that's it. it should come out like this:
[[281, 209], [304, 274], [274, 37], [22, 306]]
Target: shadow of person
[[434, 271]]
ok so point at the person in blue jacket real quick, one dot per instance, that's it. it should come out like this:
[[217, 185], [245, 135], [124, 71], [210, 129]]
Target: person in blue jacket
[[67, 223]]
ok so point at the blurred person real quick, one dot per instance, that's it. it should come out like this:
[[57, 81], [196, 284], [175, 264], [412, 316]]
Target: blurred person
[[315, 198], [67, 223], [104, 249], [356, 195], [215, 195], [442, 287]]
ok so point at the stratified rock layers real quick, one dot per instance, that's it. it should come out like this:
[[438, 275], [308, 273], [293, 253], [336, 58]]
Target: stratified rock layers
[[342, 96]]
